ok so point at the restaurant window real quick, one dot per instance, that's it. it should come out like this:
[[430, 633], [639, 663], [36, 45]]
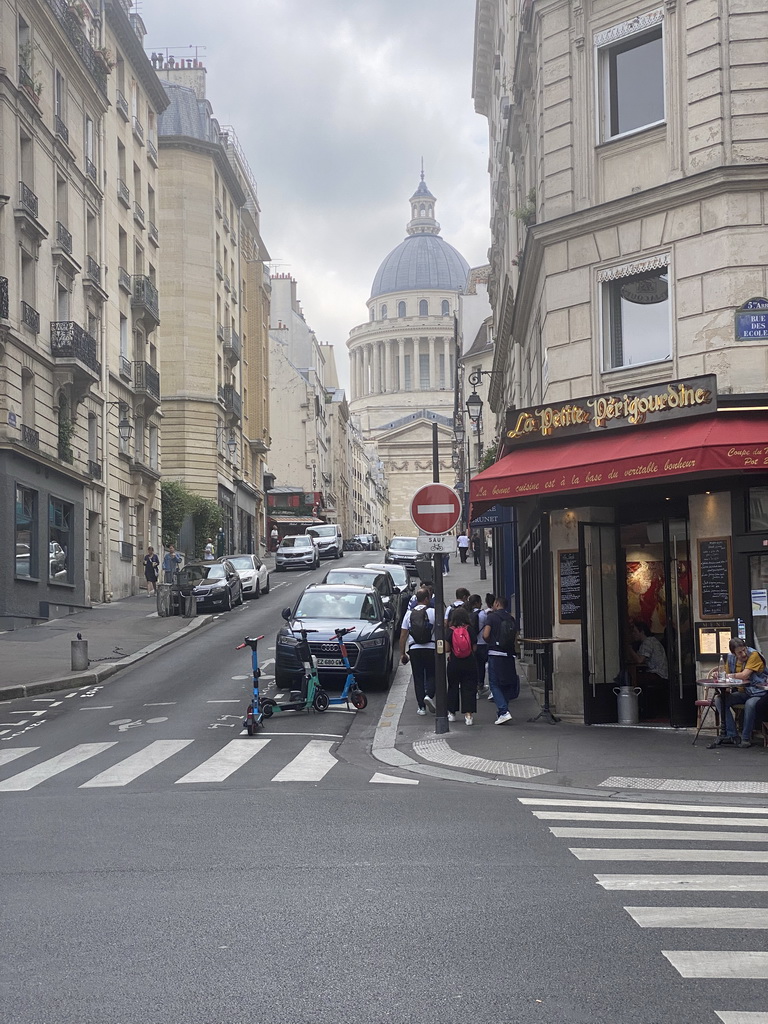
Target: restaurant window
[[631, 76], [636, 318], [60, 521], [26, 534], [758, 510]]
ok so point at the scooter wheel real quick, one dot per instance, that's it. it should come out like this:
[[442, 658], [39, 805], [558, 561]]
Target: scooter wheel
[[359, 700], [266, 709], [321, 701], [250, 727]]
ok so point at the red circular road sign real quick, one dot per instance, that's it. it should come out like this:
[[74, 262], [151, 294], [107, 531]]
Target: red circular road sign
[[435, 508]]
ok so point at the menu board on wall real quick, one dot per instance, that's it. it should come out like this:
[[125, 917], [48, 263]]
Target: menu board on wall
[[715, 596], [569, 586]]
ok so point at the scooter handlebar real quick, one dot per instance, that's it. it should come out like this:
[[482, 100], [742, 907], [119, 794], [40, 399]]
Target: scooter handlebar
[[250, 641], [342, 631]]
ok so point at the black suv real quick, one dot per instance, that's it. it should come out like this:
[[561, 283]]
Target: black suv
[[323, 607]]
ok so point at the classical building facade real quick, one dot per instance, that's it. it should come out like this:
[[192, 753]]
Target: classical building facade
[[403, 361], [629, 162]]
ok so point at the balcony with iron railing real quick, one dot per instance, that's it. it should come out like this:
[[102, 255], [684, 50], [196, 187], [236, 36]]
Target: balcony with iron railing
[[26, 80], [217, 206], [3, 298], [146, 379], [225, 222], [70, 342], [60, 129], [30, 317], [30, 437], [92, 271], [94, 469], [27, 200], [227, 285], [153, 234], [138, 130], [152, 152], [126, 368], [63, 238], [219, 270], [145, 301], [231, 400], [138, 214], [123, 193], [232, 347], [90, 170], [124, 280], [122, 106], [220, 332], [69, 21]]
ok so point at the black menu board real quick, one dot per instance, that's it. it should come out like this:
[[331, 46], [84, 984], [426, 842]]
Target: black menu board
[[569, 586], [715, 578]]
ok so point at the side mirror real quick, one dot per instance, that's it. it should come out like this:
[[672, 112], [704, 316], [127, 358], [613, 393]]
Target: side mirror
[[286, 613], [388, 614]]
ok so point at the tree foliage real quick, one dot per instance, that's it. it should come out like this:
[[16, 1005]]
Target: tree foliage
[[177, 503], [206, 515], [489, 455]]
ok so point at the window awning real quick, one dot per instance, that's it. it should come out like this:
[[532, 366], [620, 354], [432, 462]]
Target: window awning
[[289, 520], [722, 444]]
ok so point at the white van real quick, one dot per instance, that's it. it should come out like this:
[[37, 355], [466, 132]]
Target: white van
[[329, 539]]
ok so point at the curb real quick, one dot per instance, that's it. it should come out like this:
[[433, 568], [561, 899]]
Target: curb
[[93, 676]]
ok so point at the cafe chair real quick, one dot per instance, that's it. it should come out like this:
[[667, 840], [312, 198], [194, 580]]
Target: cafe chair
[[764, 731], [704, 706]]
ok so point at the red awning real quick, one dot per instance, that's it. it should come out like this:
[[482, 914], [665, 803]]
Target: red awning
[[721, 444]]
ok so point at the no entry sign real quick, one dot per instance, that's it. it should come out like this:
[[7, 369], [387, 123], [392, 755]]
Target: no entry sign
[[435, 508]]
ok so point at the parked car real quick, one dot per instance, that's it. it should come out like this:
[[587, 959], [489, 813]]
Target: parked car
[[365, 540], [214, 584], [400, 577], [57, 559], [297, 552], [253, 574], [379, 579], [323, 607], [402, 551], [329, 539]]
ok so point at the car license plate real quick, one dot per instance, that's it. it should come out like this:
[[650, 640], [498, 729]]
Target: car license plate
[[200, 597], [329, 662]]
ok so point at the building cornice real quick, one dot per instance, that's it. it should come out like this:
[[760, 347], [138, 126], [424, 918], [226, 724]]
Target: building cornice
[[120, 23], [213, 150]]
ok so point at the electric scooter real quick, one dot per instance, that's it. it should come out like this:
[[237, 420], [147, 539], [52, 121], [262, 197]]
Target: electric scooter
[[311, 695], [351, 694], [253, 716]]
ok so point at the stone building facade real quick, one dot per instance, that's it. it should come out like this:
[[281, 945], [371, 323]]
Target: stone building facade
[[629, 169]]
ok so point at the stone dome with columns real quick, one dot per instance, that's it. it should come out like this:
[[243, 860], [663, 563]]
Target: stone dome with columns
[[403, 360]]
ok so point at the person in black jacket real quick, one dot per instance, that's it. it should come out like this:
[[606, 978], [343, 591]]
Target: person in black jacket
[[462, 672], [502, 673]]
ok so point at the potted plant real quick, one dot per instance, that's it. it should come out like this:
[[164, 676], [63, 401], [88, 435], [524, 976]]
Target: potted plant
[[66, 434], [31, 78], [106, 57], [527, 213]]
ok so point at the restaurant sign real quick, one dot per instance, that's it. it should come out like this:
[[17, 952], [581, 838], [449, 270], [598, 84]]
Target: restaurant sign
[[655, 403]]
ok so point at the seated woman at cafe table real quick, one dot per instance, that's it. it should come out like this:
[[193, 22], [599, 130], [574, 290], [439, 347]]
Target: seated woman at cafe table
[[747, 666]]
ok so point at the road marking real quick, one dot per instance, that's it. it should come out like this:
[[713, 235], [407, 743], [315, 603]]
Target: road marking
[[659, 833], [15, 725], [379, 777], [718, 963], [742, 1016], [11, 753], [164, 704], [137, 764], [727, 856], [225, 761], [685, 785], [699, 917], [630, 806], [311, 765], [325, 735], [656, 819], [53, 766], [684, 883], [235, 700], [92, 707]]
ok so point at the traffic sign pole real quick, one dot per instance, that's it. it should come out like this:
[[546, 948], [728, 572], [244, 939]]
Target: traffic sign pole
[[441, 691]]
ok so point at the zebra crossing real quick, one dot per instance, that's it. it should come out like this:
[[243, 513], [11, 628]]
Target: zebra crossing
[[713, 869], [312, 763]]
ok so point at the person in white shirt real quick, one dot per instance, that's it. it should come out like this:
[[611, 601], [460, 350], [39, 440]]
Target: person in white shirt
[[463, 545], [420, 653], [209, 552]]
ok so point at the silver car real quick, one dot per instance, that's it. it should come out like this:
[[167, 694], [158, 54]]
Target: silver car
[[297, 552], [253, 574]]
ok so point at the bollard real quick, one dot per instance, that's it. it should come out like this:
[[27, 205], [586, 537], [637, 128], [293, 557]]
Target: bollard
[[79, 655], [627, 704], [164, 600], [188, 604]]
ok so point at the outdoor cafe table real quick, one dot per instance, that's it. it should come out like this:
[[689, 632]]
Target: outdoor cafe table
[[545, 645], [722, 685]]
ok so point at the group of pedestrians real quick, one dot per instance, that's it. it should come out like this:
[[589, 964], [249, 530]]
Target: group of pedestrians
[[171, 562], [478, 636]]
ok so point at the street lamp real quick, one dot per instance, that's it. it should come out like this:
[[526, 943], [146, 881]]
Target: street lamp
[[474, 406], [124, 426], [231, 440]]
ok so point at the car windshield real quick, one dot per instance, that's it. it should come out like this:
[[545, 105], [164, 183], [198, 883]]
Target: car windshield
[[297, 542], [403, 544], [323, 531], [359, 577], [340, 607], [196, 573], [397, 572], [242, 561]]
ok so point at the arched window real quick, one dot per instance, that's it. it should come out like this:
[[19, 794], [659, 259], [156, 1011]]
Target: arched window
[[445, 308], [401, 309], [384, 311], [422, 210], [423, 308]]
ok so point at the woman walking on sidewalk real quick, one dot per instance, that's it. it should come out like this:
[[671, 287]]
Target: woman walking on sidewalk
[[151, 569], [461, 670]]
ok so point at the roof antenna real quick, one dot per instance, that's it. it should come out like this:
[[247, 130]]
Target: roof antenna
[[422, 168]]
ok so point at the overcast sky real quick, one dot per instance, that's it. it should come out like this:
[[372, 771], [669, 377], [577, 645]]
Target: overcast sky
[[335, 102]]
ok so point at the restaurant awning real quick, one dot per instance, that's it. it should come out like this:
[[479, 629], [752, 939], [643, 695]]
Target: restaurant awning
[[721, 444], [289, 520]]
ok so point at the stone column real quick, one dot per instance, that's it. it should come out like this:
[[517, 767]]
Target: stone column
[[401, 363], [434, 381], [386, 348], [376, 355], [366, 370], [447, 347]]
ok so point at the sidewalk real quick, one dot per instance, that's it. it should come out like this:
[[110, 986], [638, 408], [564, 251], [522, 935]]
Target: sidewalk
[[592, 759]]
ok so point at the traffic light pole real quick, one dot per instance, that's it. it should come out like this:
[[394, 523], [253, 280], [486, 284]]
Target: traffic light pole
[[441, 691]]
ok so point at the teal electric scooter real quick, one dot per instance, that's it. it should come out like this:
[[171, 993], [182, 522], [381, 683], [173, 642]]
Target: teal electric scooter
[[311, 695]]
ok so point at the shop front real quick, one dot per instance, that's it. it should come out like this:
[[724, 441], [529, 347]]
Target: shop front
[[642, 520]]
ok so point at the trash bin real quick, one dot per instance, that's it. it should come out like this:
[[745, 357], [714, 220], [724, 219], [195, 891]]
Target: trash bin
[[164, 604], [627, 704], [79, 655], [188, 604]]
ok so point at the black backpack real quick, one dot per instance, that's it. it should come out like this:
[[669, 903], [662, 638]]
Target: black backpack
[[420, 628], [507, 635]]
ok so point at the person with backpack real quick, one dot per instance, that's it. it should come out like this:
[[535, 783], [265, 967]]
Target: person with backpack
[[746, 665], [461, 671], [500, 633], [417, 645], [462, 596], [478, 615]]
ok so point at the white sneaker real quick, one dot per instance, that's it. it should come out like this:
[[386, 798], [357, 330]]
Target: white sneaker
[[489, 697], [469, 720], [421, 711], [506, 717], [451, 716], [429, 703]]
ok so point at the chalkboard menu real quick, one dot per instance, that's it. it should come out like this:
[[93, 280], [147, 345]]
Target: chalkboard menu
[[715, 578], [569, 590]]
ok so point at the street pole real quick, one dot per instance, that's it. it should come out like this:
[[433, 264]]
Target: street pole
[[441, 692], [483, 573]]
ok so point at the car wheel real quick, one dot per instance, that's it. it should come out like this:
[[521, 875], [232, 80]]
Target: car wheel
[[266, 585], [240, 598], [257, 591], [228, 602]]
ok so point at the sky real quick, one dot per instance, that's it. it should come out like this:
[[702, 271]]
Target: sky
[[335, 103]]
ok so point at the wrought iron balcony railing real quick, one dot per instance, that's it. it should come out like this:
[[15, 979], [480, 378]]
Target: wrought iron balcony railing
[[125, 368], [3, 298], [123, 193], [60, 128], [231, 400], [138, 129], [92, 270], [70, 341], [152, 151], [220, 332], [138, 213], [63, 238], [27, 200], [69, 22], [30, 317], [26, 79], [124, 279], [153, 234], [232, 345], [217, 206], [90, 170], [94, 469], [219, 270], [30, 437], [145, 294], [227, 285], [122, 105], [146, 379]]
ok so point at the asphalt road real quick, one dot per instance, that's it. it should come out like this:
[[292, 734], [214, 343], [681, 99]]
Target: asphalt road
[[156, 895]]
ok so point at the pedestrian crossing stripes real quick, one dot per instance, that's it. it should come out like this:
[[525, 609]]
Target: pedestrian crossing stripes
[[312, 763], [722, 868]]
